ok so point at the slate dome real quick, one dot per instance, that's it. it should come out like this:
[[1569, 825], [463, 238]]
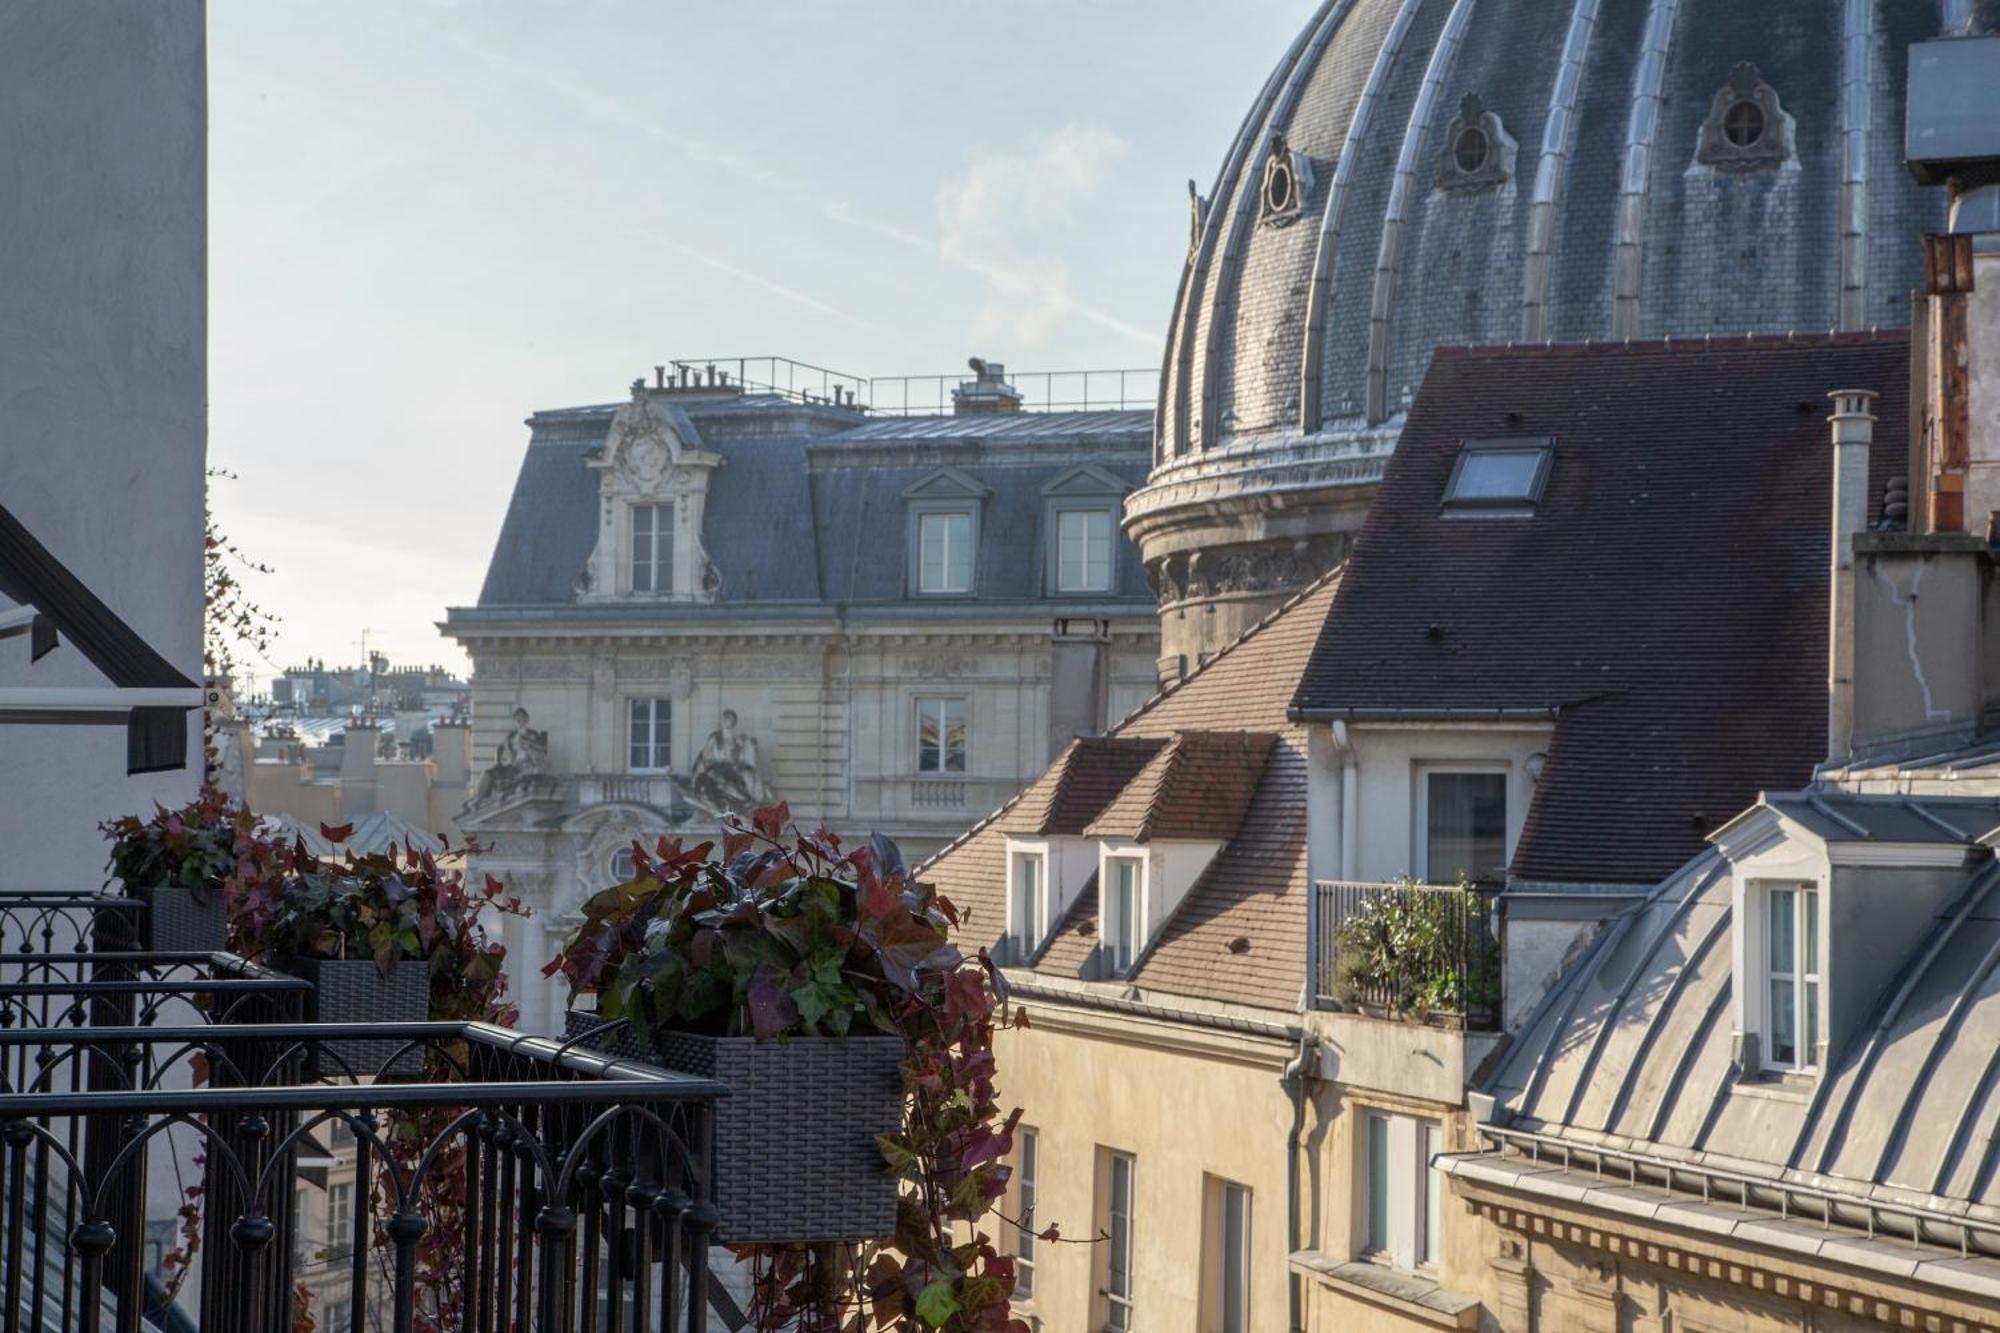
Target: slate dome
[[1420, 173]]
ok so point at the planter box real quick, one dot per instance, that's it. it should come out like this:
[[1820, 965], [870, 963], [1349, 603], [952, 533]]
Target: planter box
[[174, 922], [795, 1155], [353, 990]]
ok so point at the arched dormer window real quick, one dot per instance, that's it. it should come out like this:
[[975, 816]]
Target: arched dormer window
[[1287, 178], [1746, 128], [1478, 152]]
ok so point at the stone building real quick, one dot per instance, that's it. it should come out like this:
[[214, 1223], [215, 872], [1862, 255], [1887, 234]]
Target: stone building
[[709, 598], [1418, 173]]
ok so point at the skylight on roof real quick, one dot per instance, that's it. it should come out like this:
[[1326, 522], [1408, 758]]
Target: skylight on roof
[[1499, 476]]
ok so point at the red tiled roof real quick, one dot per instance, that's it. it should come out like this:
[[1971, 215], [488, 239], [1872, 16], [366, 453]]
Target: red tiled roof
[[1089, 774], [1196, 787], [1667, 600]]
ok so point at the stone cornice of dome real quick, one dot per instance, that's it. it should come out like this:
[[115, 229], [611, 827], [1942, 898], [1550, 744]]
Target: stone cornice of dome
[[1251, 474]]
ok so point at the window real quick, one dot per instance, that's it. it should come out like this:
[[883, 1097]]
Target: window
[[338, 1316], [1403, 1192], [1471, 148], [1030, 909], [650, 733], [1117, 1227], [1083, 550], [1128, 910], [1464, 826], [652, 548], [1792, 936], [1228, 1257], [623, 868], [1027, 1151], [944, 552], [339, 1220], [1743, 124], [1498, 475], [940, 735]]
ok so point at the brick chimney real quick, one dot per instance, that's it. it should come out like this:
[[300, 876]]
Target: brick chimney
[[987, 391]]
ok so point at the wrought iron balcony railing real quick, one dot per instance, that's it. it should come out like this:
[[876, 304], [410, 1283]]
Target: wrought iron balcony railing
[[1430, 953], [517, 1183]]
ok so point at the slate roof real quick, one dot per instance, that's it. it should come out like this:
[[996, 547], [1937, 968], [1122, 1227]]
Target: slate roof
[[1837, 817], [1666, 602], [1239, 936], [806, 512]]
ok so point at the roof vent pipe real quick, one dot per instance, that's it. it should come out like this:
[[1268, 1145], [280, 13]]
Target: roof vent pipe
[[1853, 422]]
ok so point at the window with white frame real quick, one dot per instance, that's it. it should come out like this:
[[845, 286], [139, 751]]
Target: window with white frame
[[1115, 1221], [623, 868], [1791, 938], [941, 734], [1462, 824], [652, 548], [1125, 910], [649, 735], [1083, 550], [1402, 1192], [339, 1221], [1030, 909], [1226, 1256], [1027, 1164], [944, 552]]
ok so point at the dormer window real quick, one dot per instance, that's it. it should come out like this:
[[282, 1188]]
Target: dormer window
[[1080, 514], [1499, 477], [1793, 975], [944, 511], [1083, 550], [652, 548], [1124, 911], [1028, 903], [944, 545]]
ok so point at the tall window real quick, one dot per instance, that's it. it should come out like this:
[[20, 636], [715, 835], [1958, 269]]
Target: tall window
[[1403, 1192], [650, 733], [1465, 826], [652, 548], [1228, 1257], [940, 735], [944, 552], [1793, 934], [1083, 550], [1031, 913], [1027, 1152], [1128, 910], [339, 1221], [1118, 1251]]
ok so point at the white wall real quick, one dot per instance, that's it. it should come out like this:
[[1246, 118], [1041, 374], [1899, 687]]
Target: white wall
[[103, 381], [1388, 761]]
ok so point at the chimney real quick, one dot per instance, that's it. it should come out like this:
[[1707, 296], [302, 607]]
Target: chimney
[[357, 766], [451, 751], [987, 391], [1853, 432]]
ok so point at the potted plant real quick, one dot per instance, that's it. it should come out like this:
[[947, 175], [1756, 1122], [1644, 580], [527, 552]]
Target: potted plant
[[178, 863]]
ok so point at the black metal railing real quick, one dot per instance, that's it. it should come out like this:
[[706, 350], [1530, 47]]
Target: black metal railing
[[1426, 952], [518, 1183]]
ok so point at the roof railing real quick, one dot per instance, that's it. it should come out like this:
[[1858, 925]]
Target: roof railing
[[907, 395]]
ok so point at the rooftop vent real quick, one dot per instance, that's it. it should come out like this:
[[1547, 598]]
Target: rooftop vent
[[987, 391]]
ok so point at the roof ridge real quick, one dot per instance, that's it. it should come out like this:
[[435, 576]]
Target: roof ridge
[[1691, 344], [1168, 758], [1159, 696]]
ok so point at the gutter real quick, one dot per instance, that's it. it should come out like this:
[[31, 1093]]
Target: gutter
[[1392, 714], [1164, 1013]]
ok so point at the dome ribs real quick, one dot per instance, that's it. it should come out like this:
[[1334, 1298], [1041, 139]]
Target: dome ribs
[[1551, 171], [1629, 246], [1222, 318], [1856, 116], [1319, 294], [1388, 259]]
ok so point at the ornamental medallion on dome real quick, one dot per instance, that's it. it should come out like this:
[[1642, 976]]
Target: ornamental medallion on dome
[[1287, 180], [1746, 128], [1478, 152]]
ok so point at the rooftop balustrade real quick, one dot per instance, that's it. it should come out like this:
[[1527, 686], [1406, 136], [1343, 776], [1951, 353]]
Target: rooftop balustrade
[[1422, 952], [514, 1183]]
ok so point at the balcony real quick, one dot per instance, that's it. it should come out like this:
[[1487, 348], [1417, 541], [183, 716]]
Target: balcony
[[1414, 952], [581, 1184]]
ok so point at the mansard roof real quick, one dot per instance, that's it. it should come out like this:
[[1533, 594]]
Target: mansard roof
[[804, 516], [1664, 601]]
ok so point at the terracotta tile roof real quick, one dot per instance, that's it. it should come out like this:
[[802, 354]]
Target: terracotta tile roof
[[1240, 934], [1667, 601], [1196, 787], [1088, 774]]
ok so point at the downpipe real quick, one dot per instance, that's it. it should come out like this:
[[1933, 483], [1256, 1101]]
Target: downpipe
[[1294, 1079]]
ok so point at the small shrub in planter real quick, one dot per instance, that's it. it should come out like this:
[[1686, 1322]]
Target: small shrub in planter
[[823, 987], [178, 863]]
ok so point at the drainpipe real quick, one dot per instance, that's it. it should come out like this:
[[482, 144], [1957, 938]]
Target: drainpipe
[[1350, 801], [1294, 1080], [1853, 432]]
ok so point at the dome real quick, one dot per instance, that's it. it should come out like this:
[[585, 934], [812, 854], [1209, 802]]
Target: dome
[[1419, 173]]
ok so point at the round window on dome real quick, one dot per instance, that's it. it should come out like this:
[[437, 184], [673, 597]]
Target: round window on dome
[[1471, 149], [1280, 189], [1743, 124]]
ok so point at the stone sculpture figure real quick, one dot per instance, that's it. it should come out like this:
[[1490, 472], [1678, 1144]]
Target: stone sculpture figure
[[522, 753], [724, 775]]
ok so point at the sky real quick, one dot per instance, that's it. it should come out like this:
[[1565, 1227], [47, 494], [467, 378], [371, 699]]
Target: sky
[[430, 218]]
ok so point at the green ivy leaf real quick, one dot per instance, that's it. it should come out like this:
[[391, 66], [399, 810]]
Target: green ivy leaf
[[936, 1304]]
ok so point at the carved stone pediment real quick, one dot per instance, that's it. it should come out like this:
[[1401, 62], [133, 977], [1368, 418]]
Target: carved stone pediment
[[1746, 128], [653, 474], [652, 451]]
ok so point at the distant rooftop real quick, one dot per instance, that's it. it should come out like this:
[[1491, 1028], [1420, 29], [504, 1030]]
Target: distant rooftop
[[914, 395]]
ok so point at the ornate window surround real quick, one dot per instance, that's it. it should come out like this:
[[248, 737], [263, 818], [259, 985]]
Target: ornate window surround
[[945, 491], [652, 454], [1495, 164], [1772, 148], [1287, 180]]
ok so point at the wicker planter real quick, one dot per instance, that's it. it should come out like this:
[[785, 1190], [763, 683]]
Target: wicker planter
[[175, 921], [795, 1155], [353, 990]]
